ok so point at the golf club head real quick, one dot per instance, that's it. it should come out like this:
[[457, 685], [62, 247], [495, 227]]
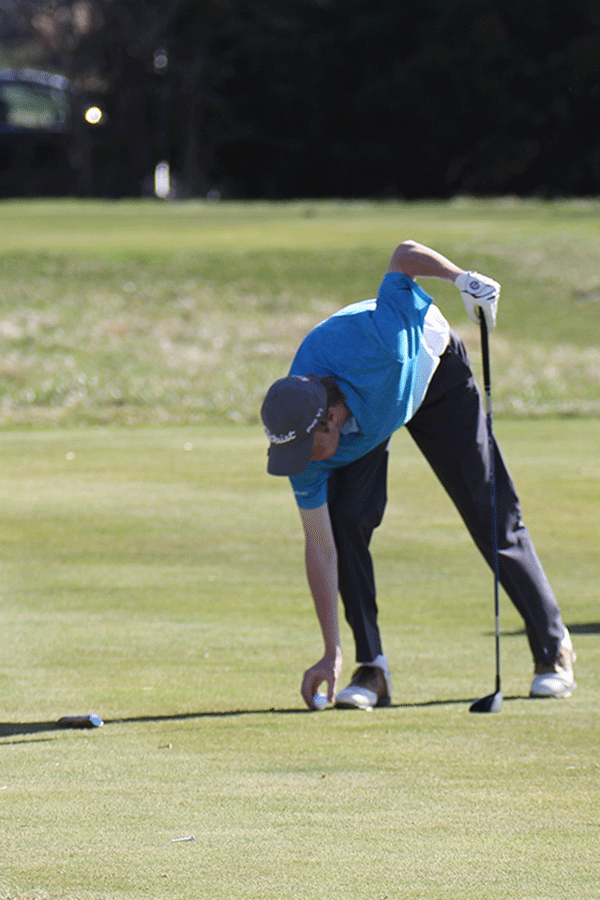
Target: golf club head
[[492, 703]]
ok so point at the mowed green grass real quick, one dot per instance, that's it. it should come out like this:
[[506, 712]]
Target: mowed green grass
[[145, 313], [154, 576], [152, 571]]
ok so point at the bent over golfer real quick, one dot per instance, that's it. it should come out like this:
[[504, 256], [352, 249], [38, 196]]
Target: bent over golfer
[[357, 377]]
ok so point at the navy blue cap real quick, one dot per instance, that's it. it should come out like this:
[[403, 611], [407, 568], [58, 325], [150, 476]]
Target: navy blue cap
[[291, 412]]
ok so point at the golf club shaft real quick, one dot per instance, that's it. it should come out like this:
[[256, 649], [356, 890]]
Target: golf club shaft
[[487, 387]]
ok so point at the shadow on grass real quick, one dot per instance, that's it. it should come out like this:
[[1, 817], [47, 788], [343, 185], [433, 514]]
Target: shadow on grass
[[14, 729], [585, 628], [580, 628]]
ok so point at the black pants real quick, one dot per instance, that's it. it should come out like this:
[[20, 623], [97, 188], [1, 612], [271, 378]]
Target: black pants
[[450, 430]]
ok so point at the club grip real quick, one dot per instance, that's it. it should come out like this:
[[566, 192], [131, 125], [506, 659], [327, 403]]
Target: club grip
[[485, 353]]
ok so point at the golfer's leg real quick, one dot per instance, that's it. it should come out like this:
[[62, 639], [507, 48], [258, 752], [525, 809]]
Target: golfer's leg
[[357, 495], [451, 433]]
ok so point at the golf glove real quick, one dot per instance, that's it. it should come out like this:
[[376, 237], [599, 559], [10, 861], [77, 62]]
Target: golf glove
[[479, 292]]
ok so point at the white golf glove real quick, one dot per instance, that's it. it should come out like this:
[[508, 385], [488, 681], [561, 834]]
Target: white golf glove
[[479, 292]]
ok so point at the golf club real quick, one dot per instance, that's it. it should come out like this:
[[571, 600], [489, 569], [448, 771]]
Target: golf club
[[491, 703]]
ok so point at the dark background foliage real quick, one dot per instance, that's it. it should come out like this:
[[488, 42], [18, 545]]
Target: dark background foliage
[[332, 98]]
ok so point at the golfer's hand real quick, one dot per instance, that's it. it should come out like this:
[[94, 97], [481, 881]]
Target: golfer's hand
[[328, 669], [479, 293]]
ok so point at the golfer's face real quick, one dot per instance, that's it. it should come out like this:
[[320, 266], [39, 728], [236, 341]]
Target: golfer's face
[[325, 443]]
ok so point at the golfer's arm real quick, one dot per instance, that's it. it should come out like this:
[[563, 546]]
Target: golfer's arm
[[322, 573], [413, 259]]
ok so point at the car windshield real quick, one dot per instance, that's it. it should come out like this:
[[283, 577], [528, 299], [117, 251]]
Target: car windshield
[[25, 106]]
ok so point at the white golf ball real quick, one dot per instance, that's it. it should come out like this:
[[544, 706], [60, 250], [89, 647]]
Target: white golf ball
[[320, 701]]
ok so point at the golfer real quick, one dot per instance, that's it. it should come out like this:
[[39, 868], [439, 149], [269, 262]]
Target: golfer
[[357, 377]]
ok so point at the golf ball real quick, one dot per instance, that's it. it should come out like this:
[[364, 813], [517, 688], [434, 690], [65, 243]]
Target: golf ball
[[320, 701]]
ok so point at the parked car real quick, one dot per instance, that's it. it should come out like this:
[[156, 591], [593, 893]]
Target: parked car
[[50, 135]]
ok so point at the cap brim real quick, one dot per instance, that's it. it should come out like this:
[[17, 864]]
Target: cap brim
[[286, 459]]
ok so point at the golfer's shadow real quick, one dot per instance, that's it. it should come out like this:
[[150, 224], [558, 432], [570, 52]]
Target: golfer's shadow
[[580, 628], [16, 729]]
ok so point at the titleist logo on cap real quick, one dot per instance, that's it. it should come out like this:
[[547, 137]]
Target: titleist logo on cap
[[292, 435], [280, 438]]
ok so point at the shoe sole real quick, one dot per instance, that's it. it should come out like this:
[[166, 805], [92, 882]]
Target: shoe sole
[[383, 701], [554, 696]]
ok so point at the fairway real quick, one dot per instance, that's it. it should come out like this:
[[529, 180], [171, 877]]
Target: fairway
[[154, 577], [152, 572]]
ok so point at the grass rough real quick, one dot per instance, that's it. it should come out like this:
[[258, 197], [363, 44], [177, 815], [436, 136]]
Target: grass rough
[[140, 313]]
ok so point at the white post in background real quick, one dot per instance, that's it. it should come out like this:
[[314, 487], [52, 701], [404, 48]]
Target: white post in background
[[162, 180]]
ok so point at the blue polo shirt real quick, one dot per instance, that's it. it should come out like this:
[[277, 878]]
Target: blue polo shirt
[[382, 353]]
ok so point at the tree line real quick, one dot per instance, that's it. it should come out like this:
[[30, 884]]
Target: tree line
[[332, 98]]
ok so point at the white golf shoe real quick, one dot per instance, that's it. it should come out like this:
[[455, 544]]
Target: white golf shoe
[[557, 679], [370, 685]]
